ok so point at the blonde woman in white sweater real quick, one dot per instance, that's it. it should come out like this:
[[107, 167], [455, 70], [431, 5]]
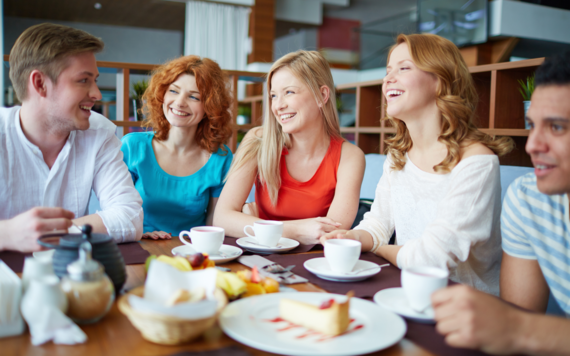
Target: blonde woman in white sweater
[[440, 190]]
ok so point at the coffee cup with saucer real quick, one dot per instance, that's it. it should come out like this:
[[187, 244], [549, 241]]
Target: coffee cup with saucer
[[207, 239]]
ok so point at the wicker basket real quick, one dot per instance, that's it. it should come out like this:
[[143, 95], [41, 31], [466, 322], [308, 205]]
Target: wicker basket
[[166, 329]]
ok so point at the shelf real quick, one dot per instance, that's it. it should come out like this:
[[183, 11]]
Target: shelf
[[507, 132], [507, 65], [251, 99], [245, 127], [368, 130], [127, 123], [360, 84]]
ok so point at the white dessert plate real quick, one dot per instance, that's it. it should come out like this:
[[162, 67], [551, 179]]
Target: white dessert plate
[[251, 244], [44, 255], [320, 267], [248, 321], [227, 253], [394, 299]]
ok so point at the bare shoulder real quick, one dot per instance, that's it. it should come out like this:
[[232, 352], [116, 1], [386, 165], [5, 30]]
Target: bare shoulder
[[351, 155], [475, 149], [350, 151], [255, 132]]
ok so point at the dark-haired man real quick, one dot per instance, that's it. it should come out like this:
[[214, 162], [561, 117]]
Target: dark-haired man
[[536, 241], [54, 150]]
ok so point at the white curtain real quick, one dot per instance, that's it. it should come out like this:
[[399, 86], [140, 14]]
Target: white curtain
[[219, 32]]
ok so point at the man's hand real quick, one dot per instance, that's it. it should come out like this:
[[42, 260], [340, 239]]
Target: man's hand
[[476, 320], [22, 231]]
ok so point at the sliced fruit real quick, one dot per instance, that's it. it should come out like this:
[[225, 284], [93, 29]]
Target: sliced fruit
[[253, 289], [148, 261], [231, 284], [255, 277], [183, 263], [244, 275], [270, 285], [196, 259]]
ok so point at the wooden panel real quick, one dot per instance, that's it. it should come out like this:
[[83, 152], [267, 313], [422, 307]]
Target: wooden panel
[[369, 143], [507, 132], [359, 84], [233, 139], [370, 106], [517, 157], [257, 113], [483, 86], [508, 65], [509, 108], [502, 49], [489, 52], [253, 89], [262, 31]]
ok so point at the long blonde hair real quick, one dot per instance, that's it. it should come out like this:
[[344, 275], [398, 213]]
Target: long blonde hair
[[456, 99], [313, 70]]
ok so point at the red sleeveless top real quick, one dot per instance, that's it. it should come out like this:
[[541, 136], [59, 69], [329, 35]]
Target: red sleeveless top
[[302, 200]]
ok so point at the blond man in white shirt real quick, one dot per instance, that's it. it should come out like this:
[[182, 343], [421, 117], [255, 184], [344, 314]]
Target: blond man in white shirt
[[54, 150]]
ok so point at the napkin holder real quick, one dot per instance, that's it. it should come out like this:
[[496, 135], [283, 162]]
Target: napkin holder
[[11, 322]]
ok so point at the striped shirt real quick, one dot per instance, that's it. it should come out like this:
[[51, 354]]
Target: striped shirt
[[536, 226]]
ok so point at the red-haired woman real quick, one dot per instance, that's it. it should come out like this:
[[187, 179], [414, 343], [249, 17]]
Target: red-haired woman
[[179, 169]]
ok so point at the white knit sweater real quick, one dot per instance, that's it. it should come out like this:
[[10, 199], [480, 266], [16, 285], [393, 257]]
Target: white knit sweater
[[447, 220]]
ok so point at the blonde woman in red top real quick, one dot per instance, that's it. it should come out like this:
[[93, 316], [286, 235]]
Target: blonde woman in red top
[[305, 174]]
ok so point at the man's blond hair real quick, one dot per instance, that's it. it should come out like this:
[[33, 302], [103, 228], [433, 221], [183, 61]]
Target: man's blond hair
[[46, 47]]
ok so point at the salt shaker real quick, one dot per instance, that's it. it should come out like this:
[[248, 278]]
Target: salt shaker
[[89, 290]]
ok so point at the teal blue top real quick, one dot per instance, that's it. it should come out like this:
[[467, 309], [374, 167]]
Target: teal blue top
[[171, 203]]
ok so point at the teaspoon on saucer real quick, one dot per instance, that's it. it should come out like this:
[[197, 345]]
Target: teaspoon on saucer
[[366, 269], [258, 244]]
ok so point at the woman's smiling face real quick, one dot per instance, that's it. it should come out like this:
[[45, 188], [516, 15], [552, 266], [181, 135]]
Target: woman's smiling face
[[182, 105], [292, 102], [409, 91]]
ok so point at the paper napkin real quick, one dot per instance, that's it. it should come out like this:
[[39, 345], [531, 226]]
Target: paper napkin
[[163, 281], [260, 262], [50, 323], [11, 322]]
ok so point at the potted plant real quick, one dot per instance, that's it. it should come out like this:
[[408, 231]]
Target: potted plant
[[244, 115], [139, 88], [526, 89]]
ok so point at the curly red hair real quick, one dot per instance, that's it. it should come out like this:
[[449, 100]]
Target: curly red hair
[[215, 129]]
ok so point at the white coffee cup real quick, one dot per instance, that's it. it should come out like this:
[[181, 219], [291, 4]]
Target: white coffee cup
[[342, 255], [206, 239], [419, 282], [266, 232]]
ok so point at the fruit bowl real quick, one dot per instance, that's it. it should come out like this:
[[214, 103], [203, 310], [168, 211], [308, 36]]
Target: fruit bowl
[[166, 329]]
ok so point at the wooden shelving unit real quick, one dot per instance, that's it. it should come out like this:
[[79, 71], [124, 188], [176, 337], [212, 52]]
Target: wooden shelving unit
[[500, 110], [255, 103], [123, 100]]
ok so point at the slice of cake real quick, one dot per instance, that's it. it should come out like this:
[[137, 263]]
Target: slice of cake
[[331, 318]]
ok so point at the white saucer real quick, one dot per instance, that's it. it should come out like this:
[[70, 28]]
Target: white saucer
[[44, 255], [283, 245], [320, 267], [227, 253], [394, 299]]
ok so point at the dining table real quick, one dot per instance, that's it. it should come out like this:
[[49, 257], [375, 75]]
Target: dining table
[[115, 335]]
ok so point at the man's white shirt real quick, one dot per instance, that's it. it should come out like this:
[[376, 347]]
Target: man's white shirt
[[90, 159]]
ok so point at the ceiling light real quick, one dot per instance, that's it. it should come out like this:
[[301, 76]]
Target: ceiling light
[[97, 6]]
